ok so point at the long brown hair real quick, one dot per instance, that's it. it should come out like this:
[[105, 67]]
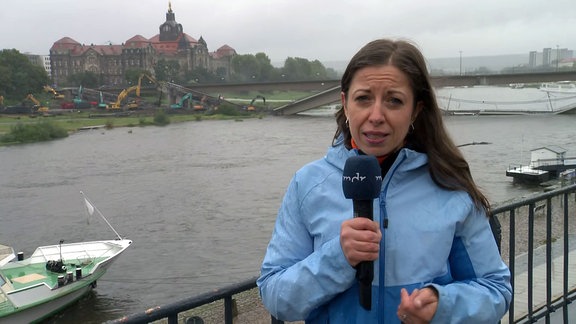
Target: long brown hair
[[448, 168]]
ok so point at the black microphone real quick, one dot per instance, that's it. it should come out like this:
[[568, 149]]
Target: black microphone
[[361, 181]]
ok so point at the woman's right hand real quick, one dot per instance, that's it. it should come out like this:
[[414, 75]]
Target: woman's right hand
[[360, 240]]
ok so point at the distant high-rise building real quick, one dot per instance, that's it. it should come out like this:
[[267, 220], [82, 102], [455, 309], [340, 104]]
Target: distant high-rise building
[[546, 56], [532, 58], [549, 56]]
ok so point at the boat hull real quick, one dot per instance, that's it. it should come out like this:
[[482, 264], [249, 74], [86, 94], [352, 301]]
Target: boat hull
[[42, 311]]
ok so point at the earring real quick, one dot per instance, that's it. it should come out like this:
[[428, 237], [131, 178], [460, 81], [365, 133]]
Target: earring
[[347, 122], [412, 126]]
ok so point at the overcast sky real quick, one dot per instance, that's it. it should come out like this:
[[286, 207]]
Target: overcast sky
[[327, 30]]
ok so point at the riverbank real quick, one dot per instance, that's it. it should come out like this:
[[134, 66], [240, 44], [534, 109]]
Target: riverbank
[[74, 121]]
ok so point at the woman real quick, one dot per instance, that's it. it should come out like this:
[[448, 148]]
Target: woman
[[435, 258]]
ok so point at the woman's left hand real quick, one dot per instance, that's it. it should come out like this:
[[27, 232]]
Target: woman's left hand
[[418, 307]]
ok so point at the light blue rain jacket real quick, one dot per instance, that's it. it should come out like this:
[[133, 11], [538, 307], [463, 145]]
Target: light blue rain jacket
[[433, 237]]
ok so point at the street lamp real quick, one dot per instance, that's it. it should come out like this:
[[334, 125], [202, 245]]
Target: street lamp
[[557, 57], [460, 62]]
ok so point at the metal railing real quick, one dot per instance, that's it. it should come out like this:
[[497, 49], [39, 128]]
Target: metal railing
[[542, 208], [556, 208]]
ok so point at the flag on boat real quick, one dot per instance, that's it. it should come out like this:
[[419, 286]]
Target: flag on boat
[[89, 208]]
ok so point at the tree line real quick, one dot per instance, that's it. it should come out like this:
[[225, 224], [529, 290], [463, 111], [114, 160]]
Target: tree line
[[19, 76], [244, 68]]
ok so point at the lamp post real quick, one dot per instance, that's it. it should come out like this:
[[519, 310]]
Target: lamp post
[[460, 62], [557, 57]]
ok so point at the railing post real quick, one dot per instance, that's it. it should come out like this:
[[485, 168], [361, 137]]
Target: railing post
[[228, 313], [530, 269], [566, 250], [173, 318], [548, 259], [512, 260]]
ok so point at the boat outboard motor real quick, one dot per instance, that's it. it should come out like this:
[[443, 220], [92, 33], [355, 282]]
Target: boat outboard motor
[[56, 266]]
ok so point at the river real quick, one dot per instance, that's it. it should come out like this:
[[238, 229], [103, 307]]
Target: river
[[199, 199]]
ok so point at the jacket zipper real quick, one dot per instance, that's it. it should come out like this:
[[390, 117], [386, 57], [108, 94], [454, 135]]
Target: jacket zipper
[[384, 227]]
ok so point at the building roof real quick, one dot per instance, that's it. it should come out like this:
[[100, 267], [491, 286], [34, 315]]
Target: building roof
[[137, 41], [552, 148], [65, 43], [171, 47], [223, 51]]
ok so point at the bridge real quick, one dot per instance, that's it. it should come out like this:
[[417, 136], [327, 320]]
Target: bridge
[[329, 90]]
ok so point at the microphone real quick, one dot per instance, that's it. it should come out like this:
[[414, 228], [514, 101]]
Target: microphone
[[361, 182]]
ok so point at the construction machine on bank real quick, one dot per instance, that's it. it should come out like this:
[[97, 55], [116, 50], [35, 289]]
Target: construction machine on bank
[[189, 100], [38, 106], [55, 94], [132, 104]]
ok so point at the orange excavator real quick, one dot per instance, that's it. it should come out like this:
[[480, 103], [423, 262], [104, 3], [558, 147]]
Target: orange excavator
[[251, 106]]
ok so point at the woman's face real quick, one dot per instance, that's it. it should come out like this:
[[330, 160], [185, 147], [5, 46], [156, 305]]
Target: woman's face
[[379, 109]]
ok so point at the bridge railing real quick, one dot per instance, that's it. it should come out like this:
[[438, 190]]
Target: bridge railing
[[535, 233]]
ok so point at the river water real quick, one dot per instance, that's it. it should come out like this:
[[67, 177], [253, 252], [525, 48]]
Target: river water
[[199, 199]]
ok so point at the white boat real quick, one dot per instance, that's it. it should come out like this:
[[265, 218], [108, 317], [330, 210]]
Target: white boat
[[53, 277], [559, 87]]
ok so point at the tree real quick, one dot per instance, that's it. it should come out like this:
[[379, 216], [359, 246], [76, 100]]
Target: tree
[[252, 68], [245, 67], [86, 79], [132, 75], [18, 76], [201, 75], [167, 70]]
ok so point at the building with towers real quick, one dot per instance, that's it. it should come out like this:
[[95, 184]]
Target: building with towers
[[110, 62]]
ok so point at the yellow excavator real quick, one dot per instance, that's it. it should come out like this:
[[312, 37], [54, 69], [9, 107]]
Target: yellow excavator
[[117, 105], [55, 94], [37, 105]]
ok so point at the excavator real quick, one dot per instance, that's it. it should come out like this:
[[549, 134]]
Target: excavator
[[117, 105], [37, 105], [78, 101], [124, 93], [188, 99], [251, 105], [55, 94], [101, 103]]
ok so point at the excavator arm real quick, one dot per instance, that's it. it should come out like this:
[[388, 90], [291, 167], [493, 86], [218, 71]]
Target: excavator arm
[[55, 94], [251, 106], [123, 94], [37, 104], [151, 79]]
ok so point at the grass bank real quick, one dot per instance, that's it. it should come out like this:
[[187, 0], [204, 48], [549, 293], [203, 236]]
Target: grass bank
[[77, 120]]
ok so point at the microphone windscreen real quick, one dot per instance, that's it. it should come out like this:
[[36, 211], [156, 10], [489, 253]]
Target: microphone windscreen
[[362, 178]]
